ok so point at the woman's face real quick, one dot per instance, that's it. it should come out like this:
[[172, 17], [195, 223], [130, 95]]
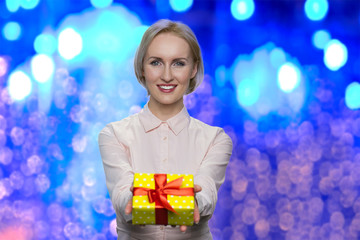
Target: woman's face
[[168, 67]]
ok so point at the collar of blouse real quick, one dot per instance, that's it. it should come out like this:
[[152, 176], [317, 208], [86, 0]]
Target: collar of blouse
[[176, 124]]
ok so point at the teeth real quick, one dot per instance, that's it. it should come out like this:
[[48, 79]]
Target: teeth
[[166, 87]]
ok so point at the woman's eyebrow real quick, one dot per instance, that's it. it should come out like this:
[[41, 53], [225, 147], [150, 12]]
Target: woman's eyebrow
[[175, 59], [178, 59], [152, 57]]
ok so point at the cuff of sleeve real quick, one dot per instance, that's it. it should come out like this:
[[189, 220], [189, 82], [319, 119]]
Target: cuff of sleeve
[[200, 202], [207, 197], [127, 196]]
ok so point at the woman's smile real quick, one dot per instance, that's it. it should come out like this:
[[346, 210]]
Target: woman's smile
[[167, 88]]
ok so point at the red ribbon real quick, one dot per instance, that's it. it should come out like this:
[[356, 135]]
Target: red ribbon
[[159, 195]]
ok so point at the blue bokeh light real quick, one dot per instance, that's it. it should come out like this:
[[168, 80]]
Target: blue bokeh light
[[320, 38], [248, 92], [242, 9], [316, 10], [101, 3], [352, 96], [104, 31], [19, 85], [70, 43], [288, 77], [277, 57], [45, 43], [29, 4], [13, 5], [12, 31], [335, 55], [220, 75], [181, 5], [266, 91]]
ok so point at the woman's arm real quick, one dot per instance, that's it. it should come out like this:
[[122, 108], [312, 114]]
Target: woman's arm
[[211, 173], [118, 171]]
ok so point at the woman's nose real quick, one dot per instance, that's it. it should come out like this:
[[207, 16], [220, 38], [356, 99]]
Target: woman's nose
[[167, 74]]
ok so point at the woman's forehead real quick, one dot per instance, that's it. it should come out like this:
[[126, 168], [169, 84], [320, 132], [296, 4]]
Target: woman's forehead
[[168, 45]]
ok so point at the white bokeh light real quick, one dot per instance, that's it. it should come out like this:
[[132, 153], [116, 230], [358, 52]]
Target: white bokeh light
[[70, 43], [19, 85], [335, 55], [42, 67], [288, 77]]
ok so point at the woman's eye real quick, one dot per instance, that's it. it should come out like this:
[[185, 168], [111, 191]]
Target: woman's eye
[[179, 64], [155, 63]]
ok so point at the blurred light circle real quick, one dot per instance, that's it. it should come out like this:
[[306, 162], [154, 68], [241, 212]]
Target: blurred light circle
[[42, 67], [70, 43], [29, 4], [12, 5], [89, 177], [277, 57], [3, 66], [12, 31], [321, 38], [242, 9], [181, 5], [288, 77], [220, 75], [19, 85], [17, 136], [248, 92], [6, 155], [262, 228], [352, 95], [101, 3], [45, 43], [126, 89], [316, 10], [335, 55], [112, 228]]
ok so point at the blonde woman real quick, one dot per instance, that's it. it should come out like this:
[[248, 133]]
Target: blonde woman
[[162, 137]]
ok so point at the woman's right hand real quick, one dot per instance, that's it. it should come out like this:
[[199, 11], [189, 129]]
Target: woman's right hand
[[128, 207]]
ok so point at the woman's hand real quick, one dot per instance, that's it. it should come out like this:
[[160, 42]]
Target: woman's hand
[[197, 189], [128, 207]]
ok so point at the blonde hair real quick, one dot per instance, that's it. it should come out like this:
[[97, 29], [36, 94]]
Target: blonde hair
[[182, 31]]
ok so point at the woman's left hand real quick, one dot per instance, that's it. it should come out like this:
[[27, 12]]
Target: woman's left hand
[[197, 189]]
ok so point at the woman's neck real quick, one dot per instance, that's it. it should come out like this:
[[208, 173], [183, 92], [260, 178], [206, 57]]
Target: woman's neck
[[165, 111]]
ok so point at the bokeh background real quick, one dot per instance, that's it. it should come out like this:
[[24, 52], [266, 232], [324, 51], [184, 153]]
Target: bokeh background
[[282, 78]]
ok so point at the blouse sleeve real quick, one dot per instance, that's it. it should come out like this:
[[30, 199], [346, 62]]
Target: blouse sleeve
[[118, 171], [211, 173]]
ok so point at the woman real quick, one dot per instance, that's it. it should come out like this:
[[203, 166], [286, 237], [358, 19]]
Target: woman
[[162, 137]]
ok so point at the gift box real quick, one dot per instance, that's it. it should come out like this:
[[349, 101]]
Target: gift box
[[163, 199]]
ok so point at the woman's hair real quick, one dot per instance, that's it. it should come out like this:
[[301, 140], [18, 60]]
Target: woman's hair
[[182, 31]]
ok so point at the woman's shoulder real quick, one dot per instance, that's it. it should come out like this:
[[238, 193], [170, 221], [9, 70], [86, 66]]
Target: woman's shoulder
[[196, 124], [123, 124], [214, 135]]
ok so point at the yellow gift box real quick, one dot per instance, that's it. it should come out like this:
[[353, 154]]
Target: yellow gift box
[[163, 199]]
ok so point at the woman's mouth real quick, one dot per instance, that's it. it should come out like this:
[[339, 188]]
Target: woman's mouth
[[166, 88]]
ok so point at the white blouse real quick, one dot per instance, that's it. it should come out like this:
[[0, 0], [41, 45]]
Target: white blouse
[[143, 143]]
